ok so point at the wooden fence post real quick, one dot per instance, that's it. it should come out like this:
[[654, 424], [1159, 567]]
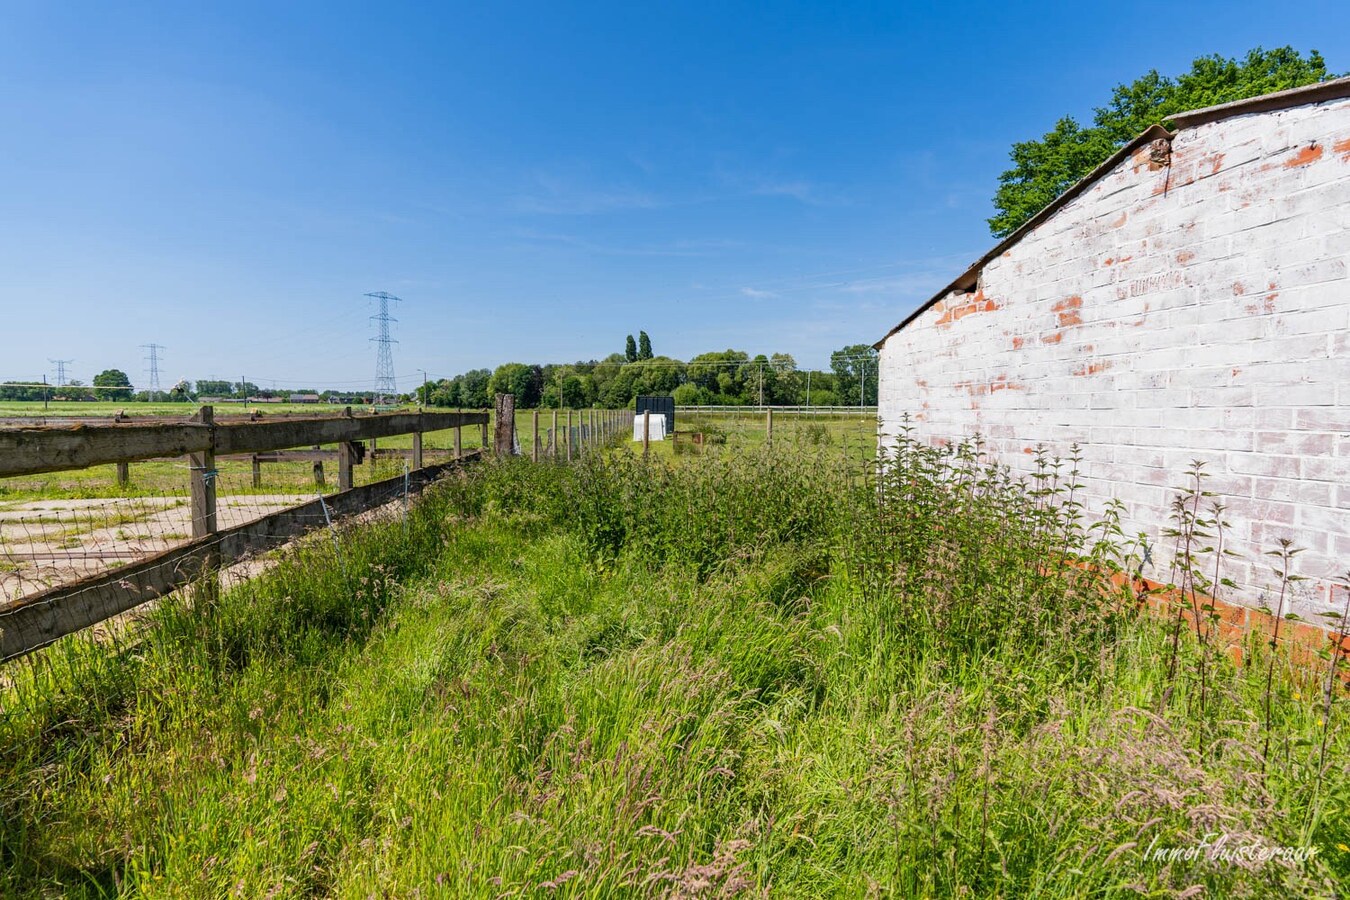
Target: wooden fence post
[[123, 474], [504, 410], [553, 445], [534, 444], [569, 435], [203, 468], [769, 426], [483, 438], [257, 471], [202, 474], [346, 456], [459, 447], [646, 432], [318, 473], [417, 450]]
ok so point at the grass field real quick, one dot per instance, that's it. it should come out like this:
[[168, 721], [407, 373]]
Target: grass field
[[852, 437], [762, 674]]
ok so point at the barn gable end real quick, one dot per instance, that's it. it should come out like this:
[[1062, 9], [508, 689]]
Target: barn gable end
[[1187, 301]]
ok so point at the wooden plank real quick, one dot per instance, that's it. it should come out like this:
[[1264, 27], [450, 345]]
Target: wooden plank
[[32, 451], [42, 618], [255, 437]]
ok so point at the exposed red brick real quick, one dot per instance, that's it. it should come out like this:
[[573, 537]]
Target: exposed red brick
[[982, 388], [1309, 154], [973, 303], [1185, 256], [1017, 343], [1053, 338], [1068, 311], [1343, 148], [1092, 368]]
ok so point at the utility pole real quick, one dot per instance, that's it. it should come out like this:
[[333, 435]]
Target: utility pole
[[60, 370], [424, 396], [385, 384], [153, 361]]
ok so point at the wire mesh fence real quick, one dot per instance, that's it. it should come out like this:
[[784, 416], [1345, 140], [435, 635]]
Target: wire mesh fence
[[57, 528], [853, 434]]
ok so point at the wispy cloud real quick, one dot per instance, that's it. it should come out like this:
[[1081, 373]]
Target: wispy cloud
[[801, 190], [553, 194], [676, 248], [767, 180], [756, 294]]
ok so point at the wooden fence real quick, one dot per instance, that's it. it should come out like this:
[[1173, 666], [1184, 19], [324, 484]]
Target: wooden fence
[[38, 619]]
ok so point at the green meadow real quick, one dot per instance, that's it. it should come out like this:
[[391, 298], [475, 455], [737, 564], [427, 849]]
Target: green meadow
[[772, 672]]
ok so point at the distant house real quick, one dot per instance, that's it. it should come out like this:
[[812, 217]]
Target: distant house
[[304, 398], [1188, 300]]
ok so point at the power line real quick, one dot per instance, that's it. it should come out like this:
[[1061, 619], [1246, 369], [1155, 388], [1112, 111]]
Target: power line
[[153, 361], [385, 385], [60, 370]]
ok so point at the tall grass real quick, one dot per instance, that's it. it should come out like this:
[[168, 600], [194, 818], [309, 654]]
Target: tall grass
[[761, 674]]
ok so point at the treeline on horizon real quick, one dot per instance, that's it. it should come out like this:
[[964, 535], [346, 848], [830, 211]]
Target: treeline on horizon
[[718, 378]]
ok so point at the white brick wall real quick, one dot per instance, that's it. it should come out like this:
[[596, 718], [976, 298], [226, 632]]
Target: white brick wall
[[1200, 311]]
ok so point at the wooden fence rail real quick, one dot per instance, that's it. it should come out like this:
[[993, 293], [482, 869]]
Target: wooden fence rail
[[53, 448], [37, 620]]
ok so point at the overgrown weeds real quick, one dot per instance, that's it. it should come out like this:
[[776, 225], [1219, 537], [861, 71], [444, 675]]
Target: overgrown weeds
[[757, 674]]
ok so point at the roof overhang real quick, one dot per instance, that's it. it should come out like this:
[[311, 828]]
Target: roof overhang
[[1322, 92]]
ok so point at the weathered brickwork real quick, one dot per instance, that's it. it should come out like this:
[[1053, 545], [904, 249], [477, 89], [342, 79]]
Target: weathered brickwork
[[1191, 309]]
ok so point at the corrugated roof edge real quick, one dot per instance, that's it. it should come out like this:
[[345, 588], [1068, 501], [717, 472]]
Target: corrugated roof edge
[[967, 279], [1313, 93], [1336, 89]]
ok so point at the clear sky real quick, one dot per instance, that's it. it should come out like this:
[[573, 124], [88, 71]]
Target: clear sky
[[536, 180]]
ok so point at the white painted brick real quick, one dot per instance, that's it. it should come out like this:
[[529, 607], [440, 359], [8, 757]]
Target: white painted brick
[[1218, 330]]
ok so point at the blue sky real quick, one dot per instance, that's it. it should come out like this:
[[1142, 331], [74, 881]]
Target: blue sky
[[535, 179]]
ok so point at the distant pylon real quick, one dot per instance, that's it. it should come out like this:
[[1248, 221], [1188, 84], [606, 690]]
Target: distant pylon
[[153, 368], [386, 389], [60, 369]]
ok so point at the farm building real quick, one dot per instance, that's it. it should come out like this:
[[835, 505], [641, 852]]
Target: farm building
[[1188, 300]]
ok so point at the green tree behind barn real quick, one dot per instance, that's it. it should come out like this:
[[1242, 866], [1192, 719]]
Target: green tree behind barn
[[1045, 168]]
